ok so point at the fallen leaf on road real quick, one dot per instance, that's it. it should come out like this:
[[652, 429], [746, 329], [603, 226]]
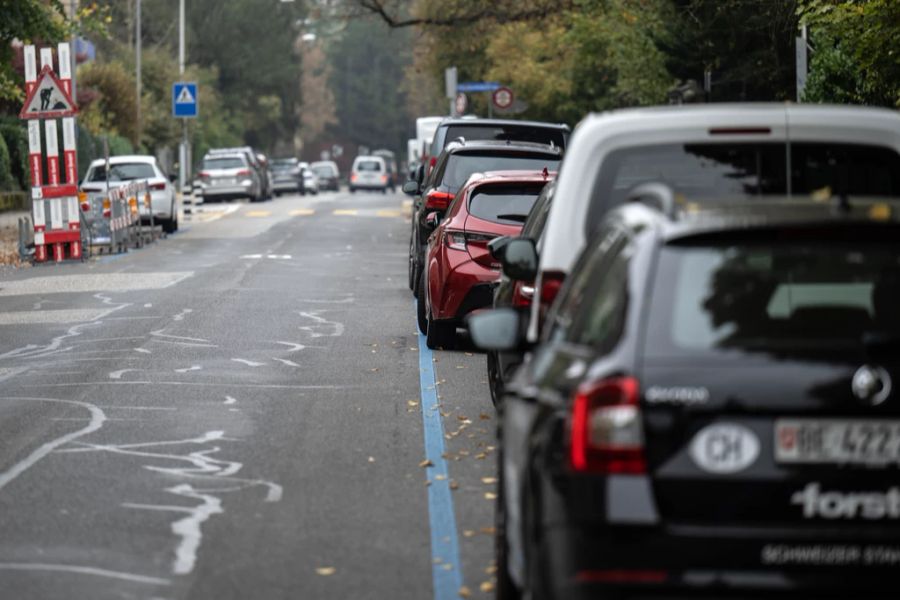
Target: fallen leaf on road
[[371, 459], [491, 570], [454, 485], [488, 530], [465, 592], [447, 566], [486, 586], [490, 496], [325, 571], [462, 417], [412, 403], [426, 463], [468, 533], [481, 456], [484, 417], [469, 354], [489, 480], [460, 366], [440, 477]]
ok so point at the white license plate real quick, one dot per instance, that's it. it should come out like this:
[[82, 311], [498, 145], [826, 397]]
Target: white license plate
[[837, 441], [225, 181]]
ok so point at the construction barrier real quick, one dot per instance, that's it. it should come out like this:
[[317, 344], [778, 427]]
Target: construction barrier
[[114, 219]]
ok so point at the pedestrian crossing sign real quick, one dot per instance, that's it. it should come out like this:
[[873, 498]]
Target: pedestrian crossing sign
[[184, 99]]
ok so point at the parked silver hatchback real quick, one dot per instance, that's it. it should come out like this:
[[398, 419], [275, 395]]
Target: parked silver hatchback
[[226, 176]]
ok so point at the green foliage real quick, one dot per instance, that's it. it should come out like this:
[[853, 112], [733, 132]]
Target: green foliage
[[26, 20], [15, 135], [112, 108], [855, 53], [7, 183]]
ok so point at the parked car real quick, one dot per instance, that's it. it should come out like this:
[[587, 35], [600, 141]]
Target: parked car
[[696, 353], [287, 175], [369, 173], [257, 162], [735, 151], [390, 160], [460, 274], [503, 130], [310, 181], [225, 176], [125, 169], [511, 293], [453, 168], [328, 174]]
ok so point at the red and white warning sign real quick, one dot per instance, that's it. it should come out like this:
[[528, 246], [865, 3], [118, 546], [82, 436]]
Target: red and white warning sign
[[503, 98], [48, 98]]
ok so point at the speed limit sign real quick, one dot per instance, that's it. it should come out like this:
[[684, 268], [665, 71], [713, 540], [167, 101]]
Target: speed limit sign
[[502, 97], [461, 103]]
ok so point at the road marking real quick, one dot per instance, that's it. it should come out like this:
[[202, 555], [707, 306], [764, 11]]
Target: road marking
[[56, 317], [346, 212], [83, 571], [258, 213], [93, 282], [96, 422], [388, 213], [444, 540], [249, 363], [302, 212]]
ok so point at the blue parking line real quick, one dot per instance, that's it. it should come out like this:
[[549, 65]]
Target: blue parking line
[[446, 570]]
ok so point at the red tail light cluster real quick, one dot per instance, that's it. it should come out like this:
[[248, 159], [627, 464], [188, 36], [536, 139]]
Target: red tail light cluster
[[607, 433], [158, 186], [436, 200], [354, 177], [244, 173], [522, 295], [457, 240], [204, 175]]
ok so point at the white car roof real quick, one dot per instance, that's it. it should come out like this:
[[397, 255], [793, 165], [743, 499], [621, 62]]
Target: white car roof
[[125, 159]]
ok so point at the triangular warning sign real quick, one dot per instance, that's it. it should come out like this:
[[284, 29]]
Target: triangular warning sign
[[48, 98], [184, 96]]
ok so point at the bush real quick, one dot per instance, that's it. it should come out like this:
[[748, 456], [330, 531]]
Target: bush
[[7, 183], [16, 137]]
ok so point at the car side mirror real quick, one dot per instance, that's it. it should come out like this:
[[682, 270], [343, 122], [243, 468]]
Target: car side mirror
[[420, 174], [411, 188], [499, 329], [432, 220], [520, 259], [496, 246]]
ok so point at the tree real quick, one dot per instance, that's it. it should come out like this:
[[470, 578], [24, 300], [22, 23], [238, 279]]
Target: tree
[[318, 112], [29, 21]]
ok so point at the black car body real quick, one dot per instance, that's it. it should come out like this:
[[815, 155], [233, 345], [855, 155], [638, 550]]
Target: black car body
[[287, 176], [511, 293], [454, 167], [710, 412], [328, 175]]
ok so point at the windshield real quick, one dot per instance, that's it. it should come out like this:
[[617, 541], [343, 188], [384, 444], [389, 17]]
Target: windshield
[[324, 171], [226, 162], [368, 165], [736, 172], [461, 166], [788, 299], [509, 205], [123, 172]]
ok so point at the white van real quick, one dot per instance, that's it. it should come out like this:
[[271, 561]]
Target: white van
[[369, 173]]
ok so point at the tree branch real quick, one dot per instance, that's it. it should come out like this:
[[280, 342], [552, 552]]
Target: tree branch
[[485, 12]]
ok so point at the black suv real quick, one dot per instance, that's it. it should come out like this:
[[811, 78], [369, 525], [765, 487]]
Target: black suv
[[458, 162], [711, 409]]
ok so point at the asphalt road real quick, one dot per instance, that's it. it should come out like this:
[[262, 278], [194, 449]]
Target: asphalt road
[[237, 412]]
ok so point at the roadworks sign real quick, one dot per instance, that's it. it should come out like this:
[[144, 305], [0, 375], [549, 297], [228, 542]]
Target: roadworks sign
[[48, 98]]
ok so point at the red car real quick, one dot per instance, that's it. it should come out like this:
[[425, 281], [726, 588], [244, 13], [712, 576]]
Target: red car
[[460, 274]]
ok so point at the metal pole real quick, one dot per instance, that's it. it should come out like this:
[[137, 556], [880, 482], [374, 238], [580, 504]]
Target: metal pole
[[137, 43], [182, 151]]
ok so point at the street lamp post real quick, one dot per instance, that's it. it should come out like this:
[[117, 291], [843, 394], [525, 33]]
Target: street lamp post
[[137, 74], [183, 148]]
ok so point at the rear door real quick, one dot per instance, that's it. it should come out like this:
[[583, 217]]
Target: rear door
[[768, 381]]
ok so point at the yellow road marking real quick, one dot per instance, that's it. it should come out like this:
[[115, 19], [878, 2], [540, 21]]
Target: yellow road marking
[[346, 212], [388, 213], [302, 212], [257, 213]]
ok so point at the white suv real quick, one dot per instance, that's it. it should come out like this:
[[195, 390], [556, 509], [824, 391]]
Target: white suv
[[369, 173], [710, 153]]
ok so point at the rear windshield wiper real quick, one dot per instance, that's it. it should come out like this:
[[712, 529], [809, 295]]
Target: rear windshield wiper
[[518, 218]]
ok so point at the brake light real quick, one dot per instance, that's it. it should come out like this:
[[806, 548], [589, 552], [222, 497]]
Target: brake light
[[244, 173], [384, 179], [158, 186], [607, 435], [354, 177], [455, 240], [436, 200], [522, 295], [551, 283], [204, 175], [107, 208]]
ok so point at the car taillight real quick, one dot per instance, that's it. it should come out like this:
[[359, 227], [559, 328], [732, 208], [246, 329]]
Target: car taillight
[[244, 173], [436, 200], [384, 179], [354, 177], [551, 283], [523, 294], [158, 186], [607, 435], [204, 175], [455, 240]]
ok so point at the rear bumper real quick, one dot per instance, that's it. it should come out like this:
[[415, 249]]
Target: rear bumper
[[468, 287], [582, 563], [227, 191], [286, 185]]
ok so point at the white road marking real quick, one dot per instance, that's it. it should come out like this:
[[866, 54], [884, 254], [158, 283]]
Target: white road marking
[[9, 373], [293, 347], [62, 316], [96, 422], [93, 282], [159, 336], [80, 570], [180, 316], [226, 384], [323, 327], [118, 374], [142, 351], [230, 400], [249, 363], [191, 368], [287, 362]]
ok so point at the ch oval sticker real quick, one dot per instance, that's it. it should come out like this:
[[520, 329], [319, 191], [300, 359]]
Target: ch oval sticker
[[724, 448]]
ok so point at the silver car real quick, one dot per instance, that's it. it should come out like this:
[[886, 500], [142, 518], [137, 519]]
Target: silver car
[[225, 176]]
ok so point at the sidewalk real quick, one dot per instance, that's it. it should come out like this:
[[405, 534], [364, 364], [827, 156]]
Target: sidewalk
[[9, 237]]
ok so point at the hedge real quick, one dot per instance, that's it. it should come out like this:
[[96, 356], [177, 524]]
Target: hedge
[[7, 183], [16, 137]]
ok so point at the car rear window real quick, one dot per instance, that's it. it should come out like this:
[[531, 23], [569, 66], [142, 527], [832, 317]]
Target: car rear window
[[737, 172], [461, 166], [123, 172], [788, 299], [503, 204], [225, 162], [368, 165], [324, 171], [283, 164], [515, 133]]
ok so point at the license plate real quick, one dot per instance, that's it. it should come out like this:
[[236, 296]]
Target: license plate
[[837, 441], [225, 181]]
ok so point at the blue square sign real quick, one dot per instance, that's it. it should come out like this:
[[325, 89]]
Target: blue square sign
[[184, 99]]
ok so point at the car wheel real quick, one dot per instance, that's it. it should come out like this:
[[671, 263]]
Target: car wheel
[[352, 190], [495, 382], [413, 280], [421, 314], [506, 589], [170, 225], [440, 334]]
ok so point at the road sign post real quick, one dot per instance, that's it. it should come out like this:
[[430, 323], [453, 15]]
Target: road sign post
[[47, 100]]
